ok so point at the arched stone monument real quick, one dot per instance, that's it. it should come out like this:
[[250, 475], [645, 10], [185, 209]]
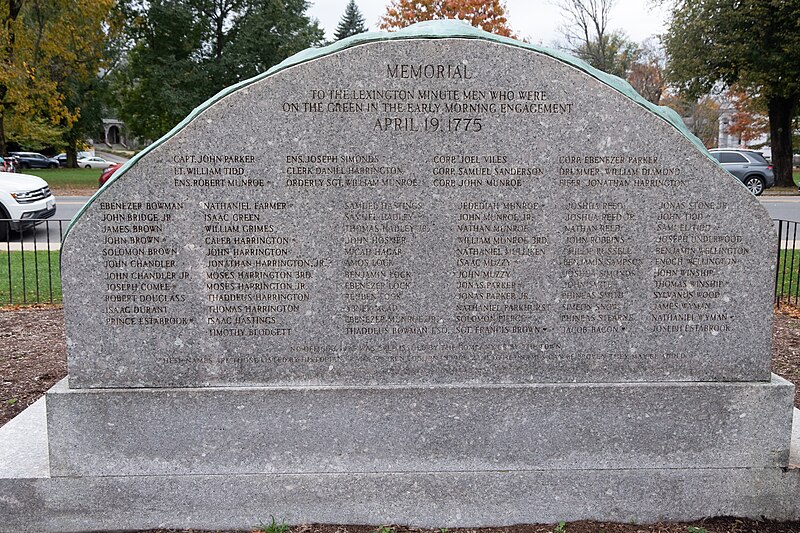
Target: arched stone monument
[[434, 277]]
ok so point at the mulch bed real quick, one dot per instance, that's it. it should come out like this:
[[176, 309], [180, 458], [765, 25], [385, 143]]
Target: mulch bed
[[33, 358], [68, 191], [786, 347]]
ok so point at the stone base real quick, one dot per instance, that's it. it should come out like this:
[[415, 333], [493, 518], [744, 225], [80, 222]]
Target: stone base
[[455, 499], [34, 499], [310, 430]]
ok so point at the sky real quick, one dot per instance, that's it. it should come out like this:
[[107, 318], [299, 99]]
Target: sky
[[537, 20]]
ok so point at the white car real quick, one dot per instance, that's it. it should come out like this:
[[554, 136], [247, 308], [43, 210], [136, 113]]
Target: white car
[[94, 162], [24, 202], [62, 157]]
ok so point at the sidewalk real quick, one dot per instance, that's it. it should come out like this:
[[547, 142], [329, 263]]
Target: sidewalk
[[29, 247]]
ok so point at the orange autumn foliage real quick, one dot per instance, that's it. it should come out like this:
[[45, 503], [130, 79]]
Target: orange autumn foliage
[[489, 15], [749, 120]]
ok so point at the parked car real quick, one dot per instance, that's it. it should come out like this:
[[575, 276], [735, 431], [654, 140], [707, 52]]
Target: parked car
[[24, 202], [34, 160], [62, 158], [94, 162], [107, 173], [748, 165]]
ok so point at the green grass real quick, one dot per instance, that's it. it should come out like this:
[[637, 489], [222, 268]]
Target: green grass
[[68, 178], [273, 527], [24, 289], [788, 273], [796, 177]]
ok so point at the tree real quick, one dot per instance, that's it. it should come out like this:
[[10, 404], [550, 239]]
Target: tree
[[700, 116], [185, 51], [78, 73], [266, 33], [588, 36], [752, 43], [352, 22], [87, 97], [748, 121], [646, 79], [489, 15], [158, 83], [10, 72], [619, 54], [46, 48], [646, 75]]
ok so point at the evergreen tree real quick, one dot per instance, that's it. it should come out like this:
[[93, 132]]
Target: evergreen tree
[[352, 22]]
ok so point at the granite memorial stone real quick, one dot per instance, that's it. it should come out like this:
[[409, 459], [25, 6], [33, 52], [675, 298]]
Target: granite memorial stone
[[377, 217], [436, 258]]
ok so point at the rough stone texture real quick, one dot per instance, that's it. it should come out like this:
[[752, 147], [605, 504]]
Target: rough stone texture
[[441, 499], [644, 269], [463, 499], [32, 501], [419, 429], [794, 452]]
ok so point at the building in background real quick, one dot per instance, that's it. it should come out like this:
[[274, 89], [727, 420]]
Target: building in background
[[115, 136]]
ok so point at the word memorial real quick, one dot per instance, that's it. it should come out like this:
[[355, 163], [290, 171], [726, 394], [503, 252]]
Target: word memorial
[[435, 277]]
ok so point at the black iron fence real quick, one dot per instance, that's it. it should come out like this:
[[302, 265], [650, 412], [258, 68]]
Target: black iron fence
[[787, 272], [29, 262]]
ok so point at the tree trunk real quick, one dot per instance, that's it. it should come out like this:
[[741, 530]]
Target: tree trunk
[[8, 20], [3, 147], [72, 155], [781, 113]]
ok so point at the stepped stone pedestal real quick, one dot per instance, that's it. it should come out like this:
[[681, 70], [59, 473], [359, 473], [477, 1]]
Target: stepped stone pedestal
[[672, 484], [435, 277]]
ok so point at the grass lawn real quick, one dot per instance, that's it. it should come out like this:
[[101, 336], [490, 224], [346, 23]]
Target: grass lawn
[[66, 179], [788, 284], [33, 278]]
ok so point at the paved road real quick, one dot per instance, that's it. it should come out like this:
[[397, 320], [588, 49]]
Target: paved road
[[779, 207], [782, 207], [110, 157], [68, 206], [49, 232]]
